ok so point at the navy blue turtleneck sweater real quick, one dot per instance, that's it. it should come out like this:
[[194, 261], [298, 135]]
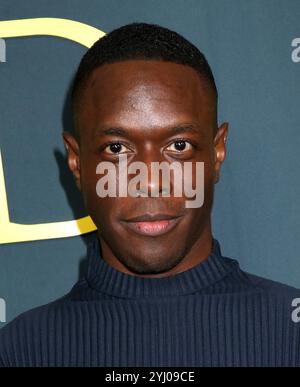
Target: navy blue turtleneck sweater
[[213, 314]]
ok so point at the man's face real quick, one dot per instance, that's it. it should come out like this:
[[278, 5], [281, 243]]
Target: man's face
[[152, 111]]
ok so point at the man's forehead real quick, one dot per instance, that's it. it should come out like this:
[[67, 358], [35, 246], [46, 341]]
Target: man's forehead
[[147, 74], [146, 90]]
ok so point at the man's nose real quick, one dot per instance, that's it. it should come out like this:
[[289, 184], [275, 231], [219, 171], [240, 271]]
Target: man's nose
[[154, 184]]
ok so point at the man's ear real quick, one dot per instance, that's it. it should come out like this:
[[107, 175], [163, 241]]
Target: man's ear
[[72, 149], [220, 148]]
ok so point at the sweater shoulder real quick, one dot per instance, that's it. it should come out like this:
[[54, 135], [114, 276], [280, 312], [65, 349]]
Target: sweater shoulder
[[272, 287], [23, 328]]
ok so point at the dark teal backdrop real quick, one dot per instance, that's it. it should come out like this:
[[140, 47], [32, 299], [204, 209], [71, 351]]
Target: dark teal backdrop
[[257, 70]]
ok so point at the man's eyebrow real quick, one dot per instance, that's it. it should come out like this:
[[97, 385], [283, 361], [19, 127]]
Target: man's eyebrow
[[115, 131], [119, 131], [185, 128]]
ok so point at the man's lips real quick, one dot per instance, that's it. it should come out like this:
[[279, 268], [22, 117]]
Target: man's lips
[[152, 224]]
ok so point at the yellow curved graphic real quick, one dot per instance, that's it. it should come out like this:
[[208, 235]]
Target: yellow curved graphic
[[79, 33], [63, 28]]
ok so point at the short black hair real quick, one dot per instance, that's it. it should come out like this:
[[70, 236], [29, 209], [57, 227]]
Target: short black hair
[[140, 41]]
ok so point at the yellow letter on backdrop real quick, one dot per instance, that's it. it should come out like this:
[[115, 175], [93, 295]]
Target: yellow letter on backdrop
[[79, 33]]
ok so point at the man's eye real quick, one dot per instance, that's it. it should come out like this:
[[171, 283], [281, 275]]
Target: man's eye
[[180, 146], [116, 148]]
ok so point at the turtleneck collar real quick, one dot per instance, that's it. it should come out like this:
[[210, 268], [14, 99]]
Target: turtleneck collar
[[104, 278]]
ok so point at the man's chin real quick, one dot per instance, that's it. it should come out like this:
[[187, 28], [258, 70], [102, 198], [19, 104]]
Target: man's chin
[[149, 264]]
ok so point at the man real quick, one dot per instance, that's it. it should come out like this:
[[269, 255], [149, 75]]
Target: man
[[158, 291]]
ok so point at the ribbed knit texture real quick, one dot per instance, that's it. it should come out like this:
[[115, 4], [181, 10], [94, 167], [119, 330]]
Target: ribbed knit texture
[[211, 315]]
